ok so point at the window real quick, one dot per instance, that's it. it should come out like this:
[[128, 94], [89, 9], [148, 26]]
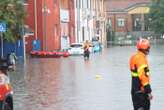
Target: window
[[55, 3], [109, 23], [25, 1], [147, 21], [97, 24], [120, 22], [137, 24], [78, 4]]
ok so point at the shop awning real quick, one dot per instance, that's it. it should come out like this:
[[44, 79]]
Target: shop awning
[[139, 10]]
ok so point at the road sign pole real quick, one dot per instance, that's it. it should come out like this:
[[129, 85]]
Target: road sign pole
[[1, 44], [3, 28]]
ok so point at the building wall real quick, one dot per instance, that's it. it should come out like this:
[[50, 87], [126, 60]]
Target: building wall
[[67, 21], [52, 26], [48, 29], [38, 34], [89, 20], [30, 23], [72, 21], [120, 9], [114, 20], [128, 26], [124, 30], [129, 23], [57, 27]]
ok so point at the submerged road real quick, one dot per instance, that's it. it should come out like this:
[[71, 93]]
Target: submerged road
[[102, 83]]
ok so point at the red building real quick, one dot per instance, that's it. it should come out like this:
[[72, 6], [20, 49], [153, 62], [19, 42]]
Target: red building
[[44, 18], [127, 19]]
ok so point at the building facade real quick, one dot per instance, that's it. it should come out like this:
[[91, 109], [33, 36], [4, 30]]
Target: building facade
[[127, 19], [50, 20], [67, 22], [89, 18]]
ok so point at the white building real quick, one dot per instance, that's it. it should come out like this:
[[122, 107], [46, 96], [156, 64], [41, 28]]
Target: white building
[[89, 20]]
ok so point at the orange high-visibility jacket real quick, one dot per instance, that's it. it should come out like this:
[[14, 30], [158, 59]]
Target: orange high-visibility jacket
[[86, 46], [140, 73]]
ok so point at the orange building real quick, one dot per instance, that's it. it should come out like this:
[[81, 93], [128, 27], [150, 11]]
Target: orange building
[[44, 18]]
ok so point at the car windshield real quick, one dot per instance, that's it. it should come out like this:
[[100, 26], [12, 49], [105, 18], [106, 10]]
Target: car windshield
[[76, 45]]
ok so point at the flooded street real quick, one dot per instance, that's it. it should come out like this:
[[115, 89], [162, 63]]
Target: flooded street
[[102, 83]]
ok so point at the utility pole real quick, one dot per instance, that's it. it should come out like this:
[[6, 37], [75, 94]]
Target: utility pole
[[44, 26], [1, 34], [3, 28], [35, 19], [78, 20]]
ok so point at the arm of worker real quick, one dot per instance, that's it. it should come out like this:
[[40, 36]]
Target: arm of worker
[[145, 80]]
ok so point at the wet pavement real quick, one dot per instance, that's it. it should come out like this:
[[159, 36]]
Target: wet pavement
[[102, 83]]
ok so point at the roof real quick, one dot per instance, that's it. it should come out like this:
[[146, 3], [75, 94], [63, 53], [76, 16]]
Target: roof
[[123, 5]]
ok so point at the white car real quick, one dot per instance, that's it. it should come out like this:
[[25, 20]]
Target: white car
[[76, 49]]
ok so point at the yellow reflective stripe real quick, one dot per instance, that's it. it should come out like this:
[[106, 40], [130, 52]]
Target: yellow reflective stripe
[[7, 86], [146, 83], [141, 67], [134, 74], [148, 73]]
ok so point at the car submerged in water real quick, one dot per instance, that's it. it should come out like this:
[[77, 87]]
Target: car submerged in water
[[6, 92], [76, 49]]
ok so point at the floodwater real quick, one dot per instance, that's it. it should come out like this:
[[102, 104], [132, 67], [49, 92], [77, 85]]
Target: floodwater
[[102, 83]]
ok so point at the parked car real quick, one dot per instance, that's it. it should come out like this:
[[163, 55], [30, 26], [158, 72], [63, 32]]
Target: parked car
[[97, 47], [6, 98], [76, 49]]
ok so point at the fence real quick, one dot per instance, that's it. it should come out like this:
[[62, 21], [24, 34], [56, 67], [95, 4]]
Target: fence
[[129, 42]]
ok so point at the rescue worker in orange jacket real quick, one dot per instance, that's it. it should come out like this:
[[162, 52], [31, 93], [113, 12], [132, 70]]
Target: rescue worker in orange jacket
[[141, 88], [86, 47]]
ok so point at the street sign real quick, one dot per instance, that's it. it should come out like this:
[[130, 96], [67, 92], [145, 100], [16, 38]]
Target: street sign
[[3, 27]]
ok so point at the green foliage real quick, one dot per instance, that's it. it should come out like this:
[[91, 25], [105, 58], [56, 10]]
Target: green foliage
[[13, 13], [157, 16]]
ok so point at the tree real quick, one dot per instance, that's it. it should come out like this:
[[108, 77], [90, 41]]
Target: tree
[[12, 12], [157, 16]]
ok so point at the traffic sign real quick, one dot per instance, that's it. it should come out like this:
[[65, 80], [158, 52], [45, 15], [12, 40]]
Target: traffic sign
[[3, 27]]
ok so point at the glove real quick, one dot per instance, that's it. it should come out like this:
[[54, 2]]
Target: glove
[[150, 96]]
